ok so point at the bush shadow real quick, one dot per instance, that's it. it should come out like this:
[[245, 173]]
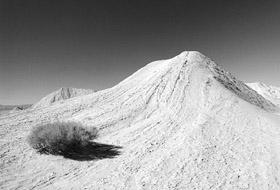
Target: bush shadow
[[91, 151]]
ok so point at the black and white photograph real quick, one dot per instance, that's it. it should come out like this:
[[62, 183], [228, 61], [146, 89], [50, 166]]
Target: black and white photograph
[[139, 95]]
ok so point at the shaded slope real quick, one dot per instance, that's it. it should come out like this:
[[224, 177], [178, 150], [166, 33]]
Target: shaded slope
[[271, 93], [183, 123]]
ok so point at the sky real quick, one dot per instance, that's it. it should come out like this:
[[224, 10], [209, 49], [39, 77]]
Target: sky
[[48, 44]]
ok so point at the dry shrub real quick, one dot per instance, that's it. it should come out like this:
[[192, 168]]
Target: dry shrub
[[59, 138]]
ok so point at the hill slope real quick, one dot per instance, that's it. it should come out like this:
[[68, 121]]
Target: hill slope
[[183, 123]]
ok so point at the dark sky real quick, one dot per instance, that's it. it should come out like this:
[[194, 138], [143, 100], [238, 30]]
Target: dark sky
[[45, 45]]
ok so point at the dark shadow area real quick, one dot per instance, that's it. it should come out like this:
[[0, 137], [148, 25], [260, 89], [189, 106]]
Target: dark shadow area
[[85, 152], [91, 151]]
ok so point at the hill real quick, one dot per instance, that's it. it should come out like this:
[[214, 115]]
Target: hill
[[7, 108], [61, 94]]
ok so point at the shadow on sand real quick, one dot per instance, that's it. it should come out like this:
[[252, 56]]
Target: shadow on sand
[[91, 151]]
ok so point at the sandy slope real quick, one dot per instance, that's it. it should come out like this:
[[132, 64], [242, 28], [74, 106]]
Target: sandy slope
[[183, 123]]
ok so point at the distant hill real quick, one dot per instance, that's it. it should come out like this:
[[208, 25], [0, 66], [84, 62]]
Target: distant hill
[[61, 94], [8, 108]]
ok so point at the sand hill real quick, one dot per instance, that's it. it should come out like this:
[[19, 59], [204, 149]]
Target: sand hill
[[183, 123]]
